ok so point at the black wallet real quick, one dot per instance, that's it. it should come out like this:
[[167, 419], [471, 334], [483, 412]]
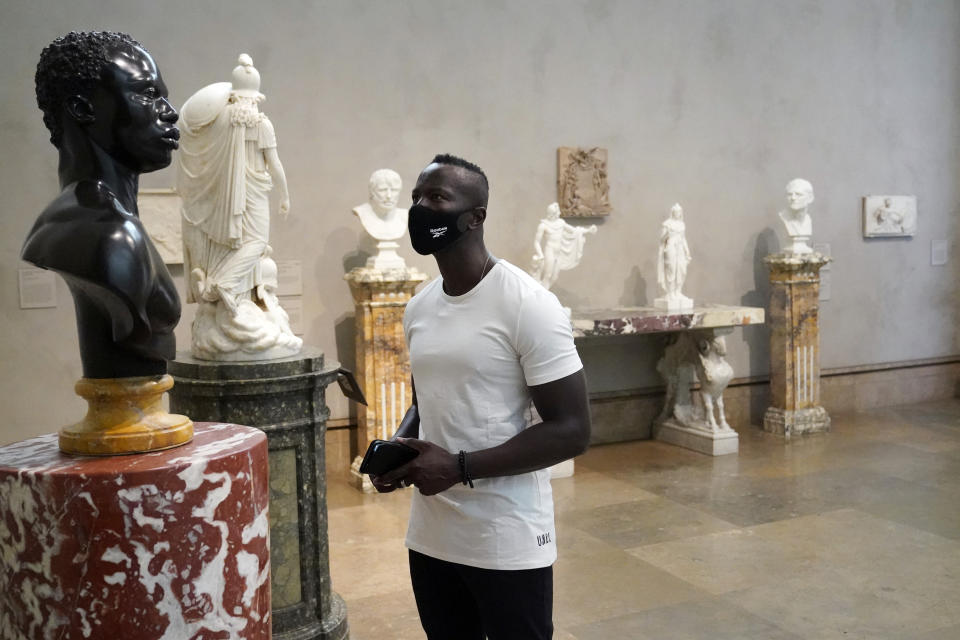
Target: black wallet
[[383, 456]]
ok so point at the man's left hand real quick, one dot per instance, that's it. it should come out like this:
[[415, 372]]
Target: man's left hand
[[433, 471]]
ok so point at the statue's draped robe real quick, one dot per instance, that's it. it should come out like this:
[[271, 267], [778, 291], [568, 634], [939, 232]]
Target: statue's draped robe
[[672, 257], [225, 185], [570, 251]]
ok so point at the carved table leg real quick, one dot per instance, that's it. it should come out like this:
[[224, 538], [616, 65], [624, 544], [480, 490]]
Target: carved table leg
[[696, 355]]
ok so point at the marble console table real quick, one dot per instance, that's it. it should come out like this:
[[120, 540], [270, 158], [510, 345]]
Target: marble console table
[[694, 352]]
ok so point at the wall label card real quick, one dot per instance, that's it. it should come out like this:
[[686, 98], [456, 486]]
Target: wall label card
[[38, 288], [939, 253], [293, 305], [289, 278], [160, 214]]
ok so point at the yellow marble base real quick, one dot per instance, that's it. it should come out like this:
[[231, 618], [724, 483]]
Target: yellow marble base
[[125, 415], [795, 345]]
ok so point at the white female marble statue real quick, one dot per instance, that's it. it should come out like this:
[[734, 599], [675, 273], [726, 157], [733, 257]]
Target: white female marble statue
[[557, 246], [383, 220], [228, 165], [796, 219], [673, 256]]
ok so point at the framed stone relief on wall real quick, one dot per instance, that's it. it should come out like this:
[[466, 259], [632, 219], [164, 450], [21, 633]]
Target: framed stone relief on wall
[[582, 189], [160, 214], [889, 216]]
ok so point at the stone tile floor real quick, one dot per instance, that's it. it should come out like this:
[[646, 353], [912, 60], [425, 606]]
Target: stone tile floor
[[850, 534]]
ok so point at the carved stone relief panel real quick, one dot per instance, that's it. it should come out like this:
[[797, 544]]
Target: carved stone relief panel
[[582, 189]]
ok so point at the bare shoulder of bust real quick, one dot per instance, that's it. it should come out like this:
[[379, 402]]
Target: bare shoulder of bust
[[83, 225]]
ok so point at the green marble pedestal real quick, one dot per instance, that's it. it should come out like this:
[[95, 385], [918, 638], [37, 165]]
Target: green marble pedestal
[[284, 398]]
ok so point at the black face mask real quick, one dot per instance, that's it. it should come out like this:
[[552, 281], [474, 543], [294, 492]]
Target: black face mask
[[432, 230]]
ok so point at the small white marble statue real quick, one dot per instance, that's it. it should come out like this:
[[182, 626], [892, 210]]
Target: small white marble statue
[[383, 220], [673, 256], [557, 246], [796, 219], [228, 164]]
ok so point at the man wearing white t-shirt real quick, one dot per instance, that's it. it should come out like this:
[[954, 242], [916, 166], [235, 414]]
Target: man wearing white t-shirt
[[485, 340]]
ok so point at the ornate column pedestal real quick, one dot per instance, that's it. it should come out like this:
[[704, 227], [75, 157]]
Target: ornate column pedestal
[[285, 398], [795, 345], [383, 364], [171, 544]]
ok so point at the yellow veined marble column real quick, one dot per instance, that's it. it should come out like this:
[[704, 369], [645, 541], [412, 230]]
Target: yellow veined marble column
[[383, 363], [795, 345], [125, 415]]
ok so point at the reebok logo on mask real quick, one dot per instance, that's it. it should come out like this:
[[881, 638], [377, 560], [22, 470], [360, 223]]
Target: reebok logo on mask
[[431, 231]]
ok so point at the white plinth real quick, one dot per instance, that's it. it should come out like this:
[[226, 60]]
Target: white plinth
[[677, 302], [386, 258], [712, 443], [562, 469]]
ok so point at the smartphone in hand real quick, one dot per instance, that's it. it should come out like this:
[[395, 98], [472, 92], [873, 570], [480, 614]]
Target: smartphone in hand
[[385, 455]]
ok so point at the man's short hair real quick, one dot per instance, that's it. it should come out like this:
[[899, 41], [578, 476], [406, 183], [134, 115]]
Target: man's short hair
[[71, 65], [483, 186]]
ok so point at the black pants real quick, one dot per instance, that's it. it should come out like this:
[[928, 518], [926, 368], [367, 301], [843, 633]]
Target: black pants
[[457, 602]]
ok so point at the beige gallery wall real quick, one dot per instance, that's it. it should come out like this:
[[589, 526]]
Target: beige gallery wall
[[712, 103]]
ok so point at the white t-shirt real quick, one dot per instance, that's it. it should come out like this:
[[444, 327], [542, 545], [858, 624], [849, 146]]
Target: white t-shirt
[[473, 357]]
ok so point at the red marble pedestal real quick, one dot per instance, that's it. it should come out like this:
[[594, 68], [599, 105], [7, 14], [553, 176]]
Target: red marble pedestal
[[171, 545]]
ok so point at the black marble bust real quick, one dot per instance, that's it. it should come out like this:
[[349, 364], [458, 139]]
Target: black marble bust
[[105, 104]]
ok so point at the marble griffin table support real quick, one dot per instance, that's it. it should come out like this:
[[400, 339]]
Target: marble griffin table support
[[795, 345], [696, 356], [285, 398], [383, 363], [172, 544], [695, 353]]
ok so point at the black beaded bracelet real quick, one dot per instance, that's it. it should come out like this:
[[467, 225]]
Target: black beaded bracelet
[[464, 476]]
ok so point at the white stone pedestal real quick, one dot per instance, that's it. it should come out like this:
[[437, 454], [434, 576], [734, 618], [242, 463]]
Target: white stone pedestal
[[712, 443], [676, 302], [562, 469], [386, 258]]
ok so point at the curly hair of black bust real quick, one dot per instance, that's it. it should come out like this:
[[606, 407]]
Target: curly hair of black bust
[[71, 65]]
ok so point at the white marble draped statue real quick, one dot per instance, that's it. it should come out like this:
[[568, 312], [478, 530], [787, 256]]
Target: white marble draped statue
[[796, 219], [557, 246], [228, 164], [673, 256], [383, 220]]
